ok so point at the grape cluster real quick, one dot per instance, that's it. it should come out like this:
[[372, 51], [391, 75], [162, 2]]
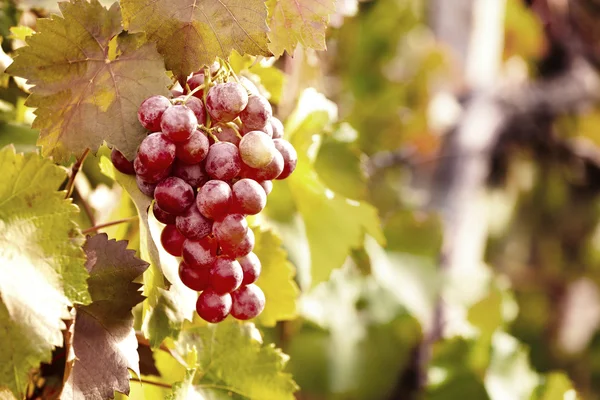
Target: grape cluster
[[208, 162]]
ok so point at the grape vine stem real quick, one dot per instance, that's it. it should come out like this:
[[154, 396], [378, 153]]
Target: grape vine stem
[[107, 224], [148, 382], [74, 170]]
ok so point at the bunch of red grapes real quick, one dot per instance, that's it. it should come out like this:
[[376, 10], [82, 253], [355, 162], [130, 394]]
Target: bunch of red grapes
[[208, 162]]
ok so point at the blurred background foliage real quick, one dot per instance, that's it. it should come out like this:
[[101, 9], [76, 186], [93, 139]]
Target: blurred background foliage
[[370, 279]]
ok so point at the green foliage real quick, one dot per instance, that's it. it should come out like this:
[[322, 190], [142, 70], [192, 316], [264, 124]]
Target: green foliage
[[232, 358], [104, 341], [41, 264], [89, 80], [190, 39]]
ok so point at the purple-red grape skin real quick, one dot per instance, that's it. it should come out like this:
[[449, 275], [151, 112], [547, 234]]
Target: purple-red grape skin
[[193, 174], [194, 278], [174, 195], [240, 249], [225, 101], [178, 123], [151, 111], [290, 157], [200, 253], [248, 197], [156, 152], [214, 199], [148, 175], [192, 224], [226, 275], [269, 172], [257, 149], [230, 230], [121, 163], [223, 161], [213, 307], [267, 186], [251, 267], [277, 128], [226, 133], [172, 240], [193, 150], [247, 302], [145, 187], [161, 215], [195, 81], [197, 107], [257, 112]]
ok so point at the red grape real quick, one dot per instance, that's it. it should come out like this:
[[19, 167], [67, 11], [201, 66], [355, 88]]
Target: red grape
[[172, 240], [195, 81], [192, 224], [223, 161], [213, 307], [277, 127], [225, 101], [269, 172], [225, 275], [193, 150], [121, 163], [197, 107], [147, 174], [268, 129], [226, 133], [267, 186], [193, 174], [145, 187], [248, 302], [174, 195], [231, 230], [248, 197], [257, 149], [249, 86], [240, 249], [176, 92], [257, 112], [290, 157], [195, 278], [251, 267], [214, 199], [151, 111], [156, 152], [200, 253], [161, 215], [178, 123]]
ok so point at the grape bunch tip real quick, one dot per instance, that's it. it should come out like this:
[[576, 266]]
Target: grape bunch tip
[[209, 161]]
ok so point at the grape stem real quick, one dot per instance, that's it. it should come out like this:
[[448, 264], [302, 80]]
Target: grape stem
[[208, 131], [191, 93], [74, 170], [107, 224], [148, 382]]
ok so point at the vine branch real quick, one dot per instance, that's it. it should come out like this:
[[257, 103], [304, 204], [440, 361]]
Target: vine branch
[[74, 170]]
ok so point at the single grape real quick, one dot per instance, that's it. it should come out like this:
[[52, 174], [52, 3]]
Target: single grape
[[266, 129], [162, 216], [176, 93], [172, 240], [197, 107], [257, 113], [290, 157], [174, 195], [271, 171], [248, 197], [267, 186], [257, 149], [178, 123], [226, 275], [225, 101], [240, 249], [193, 174], [151, 111], [230, 230], [121, 163], [223, 161], [193, 150], [213, 307], [249, 86], [251, 267], [214, 199], [156, 152], [149, 175], [247, 302], [192, 224], [145, 187], [201, 253], [277, 128], [195, 81], [226, 133], [195, 278]]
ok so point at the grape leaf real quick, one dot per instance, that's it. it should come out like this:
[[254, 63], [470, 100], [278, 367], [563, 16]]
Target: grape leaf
[[191, 33], [232, 357], [104, 339], [276, 279], [41, 264], [89, 80], [293, 21]]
